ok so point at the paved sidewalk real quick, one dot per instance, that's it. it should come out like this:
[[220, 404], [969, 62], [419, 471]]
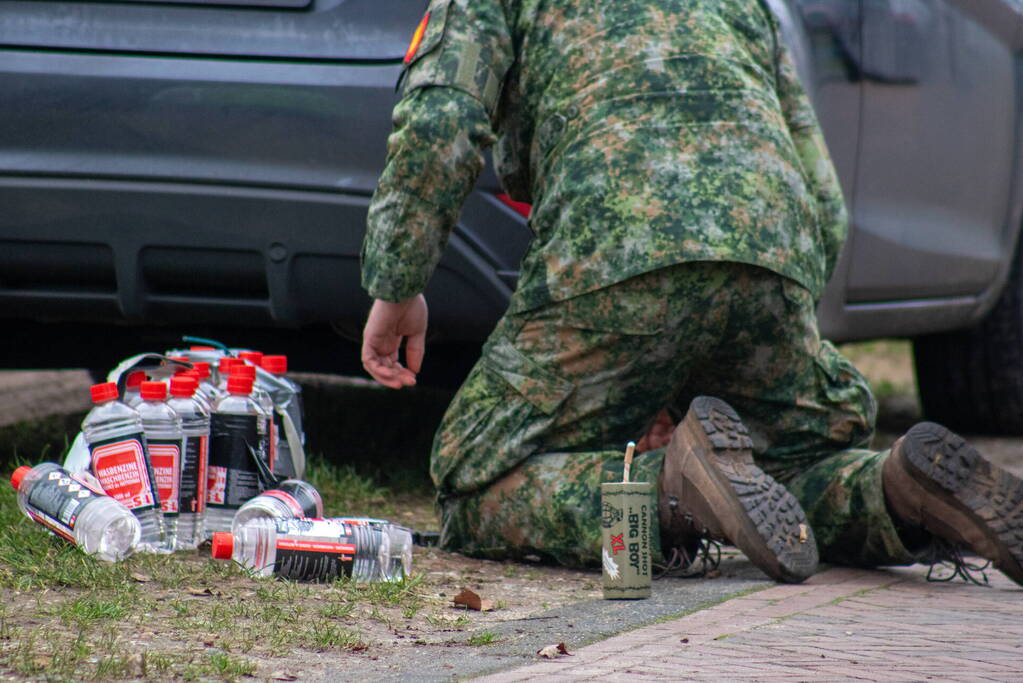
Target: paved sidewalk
[[34, 394], [842, 624]]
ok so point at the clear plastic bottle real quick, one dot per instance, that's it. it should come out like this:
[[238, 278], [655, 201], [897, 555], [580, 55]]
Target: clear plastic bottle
[[197, 354], [132, 397], [287, 399], [119, 460], [224, 367], [195, 429], [307, 549], [237, 470], [291, 499], [266, 405], [74, 509], [164, 439], [207, 388], [399, 539]]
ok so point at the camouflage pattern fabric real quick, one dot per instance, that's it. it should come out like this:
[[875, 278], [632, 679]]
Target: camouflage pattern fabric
[[645, 133], [543, 417], [686, 216]]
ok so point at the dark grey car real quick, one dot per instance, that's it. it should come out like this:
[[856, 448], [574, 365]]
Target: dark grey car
[[205, 168]]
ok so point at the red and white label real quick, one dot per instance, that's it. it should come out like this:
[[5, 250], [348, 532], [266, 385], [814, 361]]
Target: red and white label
[[166, 461], [316, 546], [204, 456], [287, 499], [216, 485], [121, 469]]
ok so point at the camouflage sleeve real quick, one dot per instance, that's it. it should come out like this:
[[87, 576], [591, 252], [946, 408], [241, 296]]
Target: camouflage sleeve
[[442, 124], [832, 219]]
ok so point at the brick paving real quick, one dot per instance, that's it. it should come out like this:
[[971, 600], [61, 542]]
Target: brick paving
[[842, 624]]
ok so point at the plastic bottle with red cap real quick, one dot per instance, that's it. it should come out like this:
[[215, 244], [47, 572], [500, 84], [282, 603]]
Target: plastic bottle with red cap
[[132, 382], [164, 439], [237, 461], [207, 388], [266, 405], [307, 549], [224, 367], [290, 499], [119, 460], [400, 540], [75, 509], [198, 353], [287, 401], [195, 430]]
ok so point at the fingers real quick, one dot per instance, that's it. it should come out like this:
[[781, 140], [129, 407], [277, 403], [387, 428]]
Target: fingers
[[388, 372], [396, 377], [415, 349], [386, 326], [384, 367]]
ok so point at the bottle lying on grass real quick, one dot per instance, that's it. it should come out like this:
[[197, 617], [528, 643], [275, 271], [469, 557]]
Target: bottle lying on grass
[[76, 510], [291, 499], [399, 538], [308, 550]]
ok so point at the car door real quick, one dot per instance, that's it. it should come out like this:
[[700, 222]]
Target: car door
[[936, 151]]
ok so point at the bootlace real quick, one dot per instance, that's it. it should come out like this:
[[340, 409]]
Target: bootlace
[[948, 563], [682, 563]]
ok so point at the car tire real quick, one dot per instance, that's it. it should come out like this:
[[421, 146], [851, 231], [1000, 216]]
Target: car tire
[[972, 380]]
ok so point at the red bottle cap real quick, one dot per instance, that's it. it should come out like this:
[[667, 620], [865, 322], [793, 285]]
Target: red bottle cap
[[153, 391], [278, 365], [135, 379], [203, 368], [223, 545], [183, 386], [101, 393], [244, 371], [226, 364], [254, 357], [18, 475], [239, 385]]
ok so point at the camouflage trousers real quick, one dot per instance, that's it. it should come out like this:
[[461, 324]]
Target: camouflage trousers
[[543, 418]]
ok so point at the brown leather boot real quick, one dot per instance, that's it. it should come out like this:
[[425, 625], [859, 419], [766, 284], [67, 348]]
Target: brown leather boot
[[710, 486], [936, 481]]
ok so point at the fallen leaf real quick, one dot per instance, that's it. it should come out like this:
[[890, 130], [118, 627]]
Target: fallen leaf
[[201, 591], [283, 676], [552, 651], [141, 578], [473, 601]]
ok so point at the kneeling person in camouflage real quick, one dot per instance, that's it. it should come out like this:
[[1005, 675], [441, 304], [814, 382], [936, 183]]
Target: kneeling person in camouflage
[[686, 217]]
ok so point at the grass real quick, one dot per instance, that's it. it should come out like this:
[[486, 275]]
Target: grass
[[887, 364], [65, 616], [483, 638]]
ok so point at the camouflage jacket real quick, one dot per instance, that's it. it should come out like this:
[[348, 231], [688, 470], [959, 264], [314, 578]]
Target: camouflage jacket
[[645, 133]]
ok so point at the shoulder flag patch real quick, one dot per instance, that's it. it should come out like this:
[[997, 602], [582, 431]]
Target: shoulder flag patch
[[417, 38]]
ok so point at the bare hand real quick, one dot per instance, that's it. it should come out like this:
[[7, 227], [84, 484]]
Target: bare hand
[[388, 323]]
